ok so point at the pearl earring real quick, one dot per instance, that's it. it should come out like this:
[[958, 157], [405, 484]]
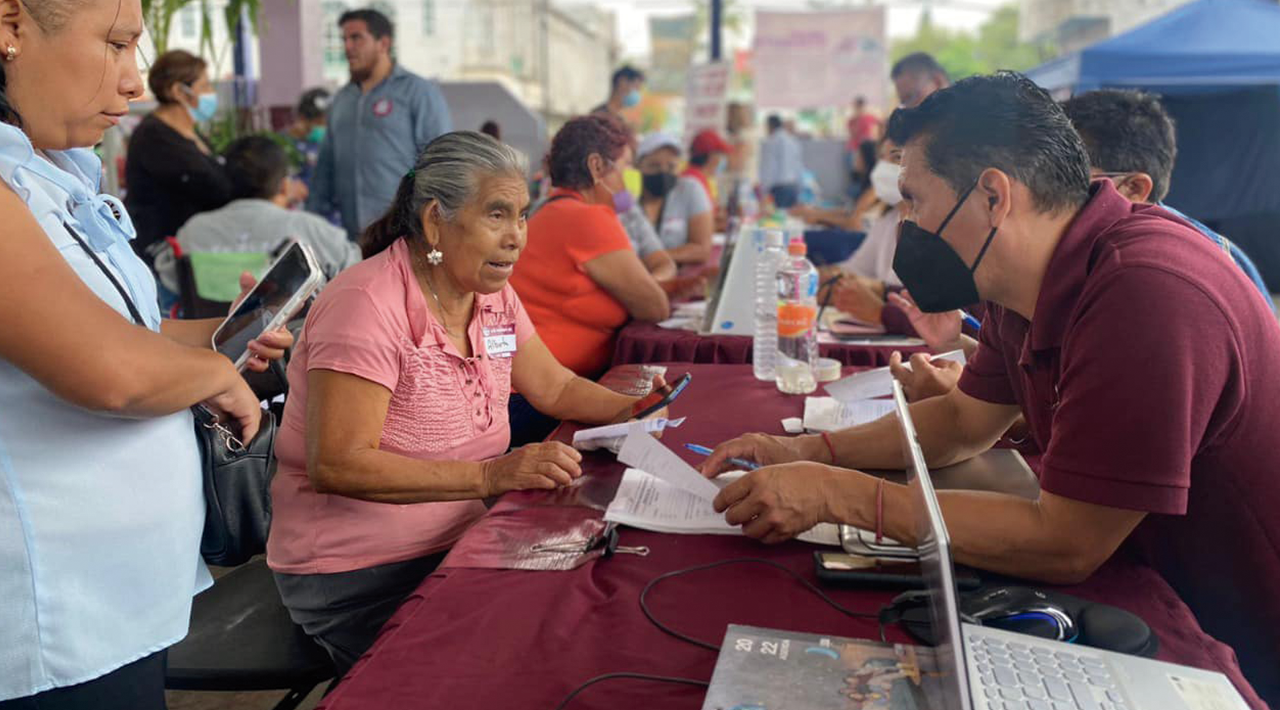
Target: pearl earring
[[11, 53], [435, 256]]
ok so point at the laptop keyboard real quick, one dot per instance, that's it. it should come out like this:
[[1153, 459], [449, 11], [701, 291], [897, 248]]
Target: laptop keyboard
[[1018, 676]]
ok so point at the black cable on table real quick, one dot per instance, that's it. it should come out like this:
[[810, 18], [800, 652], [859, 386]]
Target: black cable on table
[[633, 676], [644, 607]]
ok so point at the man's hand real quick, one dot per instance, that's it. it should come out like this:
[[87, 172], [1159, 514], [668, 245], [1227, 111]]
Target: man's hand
[[763, 449], [777, 503], [926, 378], [859, 297], [940, 331], [269, 346]]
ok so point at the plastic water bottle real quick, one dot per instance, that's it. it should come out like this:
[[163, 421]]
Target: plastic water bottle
[[764, 346], [797, 285]]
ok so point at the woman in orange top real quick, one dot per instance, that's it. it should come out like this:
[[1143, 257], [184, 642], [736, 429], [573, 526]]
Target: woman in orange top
[[578, 277]]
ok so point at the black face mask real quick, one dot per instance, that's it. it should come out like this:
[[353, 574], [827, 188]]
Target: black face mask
[[931, 270], [658, 184]]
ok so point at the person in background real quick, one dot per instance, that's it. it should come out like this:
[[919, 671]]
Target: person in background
[[867, 277], [378, 123], [396, 425], [579, 278], [1131, 142], [307, 130], [864, 161], [708, 152], [1142, 359], [101, 501], [170, 170], [624, 91], [916, 76], [740, 165], [863, 125], [644, 239], [491, 128], [258, 219], [781, 165], [678, 207]]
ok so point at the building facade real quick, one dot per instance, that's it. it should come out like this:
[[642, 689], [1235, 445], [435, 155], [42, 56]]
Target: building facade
[[1072, 25]]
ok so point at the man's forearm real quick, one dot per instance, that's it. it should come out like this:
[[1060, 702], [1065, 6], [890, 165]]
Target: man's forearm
[[990, 531], [878, 445]]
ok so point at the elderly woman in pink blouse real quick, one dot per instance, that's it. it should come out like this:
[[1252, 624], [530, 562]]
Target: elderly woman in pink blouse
[[396, 423]]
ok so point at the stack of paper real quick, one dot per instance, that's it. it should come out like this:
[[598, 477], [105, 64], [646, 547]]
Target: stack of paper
[[877, 382], [830, 414], [611, 436], [650, 503]]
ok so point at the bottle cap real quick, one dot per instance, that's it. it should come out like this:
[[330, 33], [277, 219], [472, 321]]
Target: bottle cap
[[797, 247]]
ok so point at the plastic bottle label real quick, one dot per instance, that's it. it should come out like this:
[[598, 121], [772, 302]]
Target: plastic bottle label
[[795, 319]]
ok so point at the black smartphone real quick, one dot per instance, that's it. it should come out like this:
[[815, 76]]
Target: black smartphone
[[659, 398], [843, 569]]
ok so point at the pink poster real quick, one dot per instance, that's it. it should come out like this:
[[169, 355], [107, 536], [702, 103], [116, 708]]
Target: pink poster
[[820, 58]]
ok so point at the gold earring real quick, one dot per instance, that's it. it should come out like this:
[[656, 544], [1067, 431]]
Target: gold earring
[[11, 53]]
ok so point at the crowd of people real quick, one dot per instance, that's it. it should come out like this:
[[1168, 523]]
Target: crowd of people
[[465, 316]]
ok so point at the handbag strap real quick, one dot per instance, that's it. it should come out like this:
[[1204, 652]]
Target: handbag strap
[[204, 417], [133, 310]]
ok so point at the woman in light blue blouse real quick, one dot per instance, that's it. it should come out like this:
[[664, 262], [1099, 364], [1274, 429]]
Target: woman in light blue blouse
[[100, 493]]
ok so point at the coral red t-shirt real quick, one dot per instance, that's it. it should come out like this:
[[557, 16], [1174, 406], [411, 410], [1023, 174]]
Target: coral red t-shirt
[[575, 316]]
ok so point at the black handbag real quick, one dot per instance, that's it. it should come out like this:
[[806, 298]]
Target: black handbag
[[237, 476]]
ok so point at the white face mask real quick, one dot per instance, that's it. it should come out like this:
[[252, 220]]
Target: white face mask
[[884, 180]]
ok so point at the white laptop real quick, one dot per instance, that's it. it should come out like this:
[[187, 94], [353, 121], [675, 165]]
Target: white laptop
[[992, 669]]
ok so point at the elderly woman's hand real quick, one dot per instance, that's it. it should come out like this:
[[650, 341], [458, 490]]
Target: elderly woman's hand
[[550, 464], [629, 411]]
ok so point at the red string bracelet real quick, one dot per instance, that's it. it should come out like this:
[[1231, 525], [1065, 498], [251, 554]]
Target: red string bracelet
[[826, 436], [880, 511]]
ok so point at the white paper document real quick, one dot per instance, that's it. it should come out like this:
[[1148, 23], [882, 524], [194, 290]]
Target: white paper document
[[605, 437], [650, 503], [830, 414], [642, 451], [877, 382]]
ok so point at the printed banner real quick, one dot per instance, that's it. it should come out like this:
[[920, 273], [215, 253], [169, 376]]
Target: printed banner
[[706, 98], [820, 59]]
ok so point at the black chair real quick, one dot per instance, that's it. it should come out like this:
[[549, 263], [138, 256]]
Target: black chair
[[242, 639]]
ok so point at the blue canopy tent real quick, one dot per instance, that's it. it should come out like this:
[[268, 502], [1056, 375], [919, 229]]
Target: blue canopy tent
[[1216, 65]]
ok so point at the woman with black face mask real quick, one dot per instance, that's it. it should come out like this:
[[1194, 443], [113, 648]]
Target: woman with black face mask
[[677, 207]]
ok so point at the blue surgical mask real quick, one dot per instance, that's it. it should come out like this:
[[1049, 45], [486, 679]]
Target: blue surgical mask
[[206, 106], [631, 99]]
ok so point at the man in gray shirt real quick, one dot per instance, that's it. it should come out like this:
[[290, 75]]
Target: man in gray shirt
[[378, 124], [258, 218]]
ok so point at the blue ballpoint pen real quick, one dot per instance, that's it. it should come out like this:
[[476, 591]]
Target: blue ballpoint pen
[[745, 464], [970, 320]]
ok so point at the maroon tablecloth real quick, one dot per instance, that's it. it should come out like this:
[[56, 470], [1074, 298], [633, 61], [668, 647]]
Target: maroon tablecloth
[[640, 343], [492, 638]]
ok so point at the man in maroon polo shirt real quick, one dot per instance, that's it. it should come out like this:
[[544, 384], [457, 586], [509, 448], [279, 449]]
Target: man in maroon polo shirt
[[1146, 367]]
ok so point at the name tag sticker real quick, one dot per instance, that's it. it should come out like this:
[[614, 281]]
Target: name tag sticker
[[500, 340]]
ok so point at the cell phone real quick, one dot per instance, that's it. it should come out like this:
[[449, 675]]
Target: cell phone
[[280, 293], [659, 398], [844, 569]]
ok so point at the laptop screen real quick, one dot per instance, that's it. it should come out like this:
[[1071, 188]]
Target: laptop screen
[[935, 564]]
